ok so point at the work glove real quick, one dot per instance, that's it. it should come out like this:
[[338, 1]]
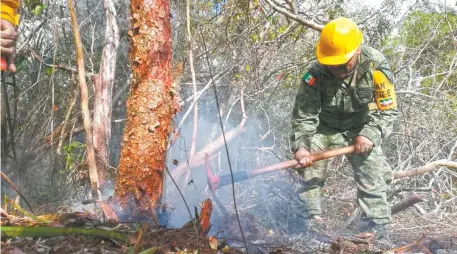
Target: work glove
[[362, 145], [302, 157]]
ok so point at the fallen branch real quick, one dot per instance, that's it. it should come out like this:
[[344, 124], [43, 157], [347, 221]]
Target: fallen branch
[[9, 231], [199, 158], [407, 247], [16, 190], [402, 205], [425, 169]]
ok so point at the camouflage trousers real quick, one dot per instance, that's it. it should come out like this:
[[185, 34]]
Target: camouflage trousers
[[372, 175]]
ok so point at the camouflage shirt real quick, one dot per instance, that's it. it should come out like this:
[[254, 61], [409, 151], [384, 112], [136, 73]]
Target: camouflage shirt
[[328, 104]]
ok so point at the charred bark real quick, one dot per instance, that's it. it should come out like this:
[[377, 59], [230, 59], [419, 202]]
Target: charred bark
[[150, 107]]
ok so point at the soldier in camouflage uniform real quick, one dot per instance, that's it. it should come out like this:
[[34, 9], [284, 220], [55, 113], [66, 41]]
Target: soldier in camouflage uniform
[[336, 106]]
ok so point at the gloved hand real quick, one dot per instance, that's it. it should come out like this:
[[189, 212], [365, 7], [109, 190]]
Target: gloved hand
[[362, 144], [8, 37], [302, 157]]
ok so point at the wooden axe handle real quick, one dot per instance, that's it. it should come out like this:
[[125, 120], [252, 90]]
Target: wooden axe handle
[[292, 163], [215, 182]]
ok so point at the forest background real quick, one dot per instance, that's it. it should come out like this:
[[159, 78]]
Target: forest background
[[254, 54]]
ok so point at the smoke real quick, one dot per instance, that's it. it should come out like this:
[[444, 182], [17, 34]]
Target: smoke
[[253, 196]]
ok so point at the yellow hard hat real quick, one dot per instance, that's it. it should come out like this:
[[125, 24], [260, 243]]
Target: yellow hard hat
[[339, 40]]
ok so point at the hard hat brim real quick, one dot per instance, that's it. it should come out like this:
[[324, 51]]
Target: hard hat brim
[[333, 60]]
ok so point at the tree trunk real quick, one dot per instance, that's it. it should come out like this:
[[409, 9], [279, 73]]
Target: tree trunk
[[103, 93], [150, 107]]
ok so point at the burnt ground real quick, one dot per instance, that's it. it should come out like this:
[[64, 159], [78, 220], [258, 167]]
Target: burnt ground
[[184, 240], [431, 231], [437, 233], [271, 224]]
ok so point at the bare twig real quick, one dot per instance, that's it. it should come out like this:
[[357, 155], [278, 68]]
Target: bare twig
[[287, 13], [16, 190], [208, 85], [225, 144], [183, 199], [67, 116], [194, 85], [59, 66], [121, 91]]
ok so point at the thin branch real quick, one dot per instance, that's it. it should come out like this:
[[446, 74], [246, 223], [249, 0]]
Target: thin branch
[[191, 107], [16, 190], [208, 85], [292, 6], [194, 85], [183, 199], [287, 13], [59, 66], [32, 35], [225, 144], [243, 121], [65, 122], [85, 104], [451, 153], [121, 91], [415, 93]]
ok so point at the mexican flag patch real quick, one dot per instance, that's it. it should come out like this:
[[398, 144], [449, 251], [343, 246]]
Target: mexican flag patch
[[386, 102], [309, 79]]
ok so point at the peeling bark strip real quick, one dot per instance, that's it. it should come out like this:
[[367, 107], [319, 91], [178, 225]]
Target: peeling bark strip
[[150, 107], [104, 83]]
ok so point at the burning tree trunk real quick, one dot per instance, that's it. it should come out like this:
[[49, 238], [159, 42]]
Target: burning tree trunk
[[150, 107], [104, 92]]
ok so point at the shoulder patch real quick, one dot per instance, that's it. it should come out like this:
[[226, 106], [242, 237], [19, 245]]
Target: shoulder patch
[[309, 79]]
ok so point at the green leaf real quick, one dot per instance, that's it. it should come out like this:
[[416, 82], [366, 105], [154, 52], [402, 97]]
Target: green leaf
[[49, 70], [149, 251], [248, 67], [254, 38], [37, 11], [20, 64]]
